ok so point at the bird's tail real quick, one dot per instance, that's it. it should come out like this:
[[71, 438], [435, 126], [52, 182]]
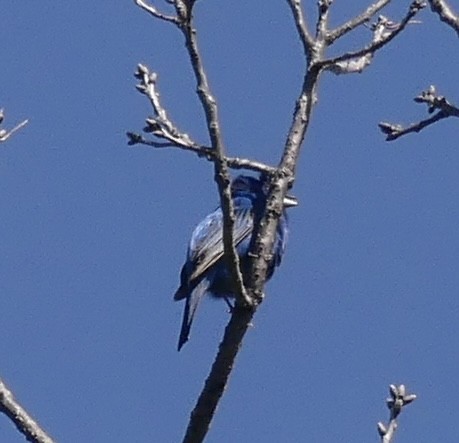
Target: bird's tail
[[191, 304]]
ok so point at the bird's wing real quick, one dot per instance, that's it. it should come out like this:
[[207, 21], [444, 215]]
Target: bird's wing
[[191, 304], [206, 246]]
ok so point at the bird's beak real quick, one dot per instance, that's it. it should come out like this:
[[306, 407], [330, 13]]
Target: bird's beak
[[290, 201]]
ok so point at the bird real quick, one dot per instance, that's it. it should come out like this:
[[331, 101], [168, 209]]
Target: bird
[[205, 270]]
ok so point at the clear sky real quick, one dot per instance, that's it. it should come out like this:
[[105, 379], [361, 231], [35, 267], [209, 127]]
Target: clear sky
[[93, 232]]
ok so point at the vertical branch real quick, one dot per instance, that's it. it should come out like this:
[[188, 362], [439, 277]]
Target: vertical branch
[[322, 21], [301, 27], [216, 383], [207, 403], [241, 318], [222, 176], [266, 232], [265, 235]]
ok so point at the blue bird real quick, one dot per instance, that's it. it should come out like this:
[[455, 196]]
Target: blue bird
[[204, 270]]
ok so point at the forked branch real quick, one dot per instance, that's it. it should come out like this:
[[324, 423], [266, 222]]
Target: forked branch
[[436, 104], [6, 134], [396, 402]]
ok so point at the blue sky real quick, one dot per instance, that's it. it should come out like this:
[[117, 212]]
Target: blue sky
[[94, 232]]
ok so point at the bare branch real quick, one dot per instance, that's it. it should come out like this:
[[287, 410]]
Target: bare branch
[[203, 151], [384, 32], [300, 23], [445, 13], [394, 131], [398, 399], [155, 13], [160, 125], [322, 21], [281, 182], [243, 163], [260, 254], [25, 424], [138, 139], [434, 103], [284, 177], [4, 134], [364, 17], [218, 377], [221, 172]]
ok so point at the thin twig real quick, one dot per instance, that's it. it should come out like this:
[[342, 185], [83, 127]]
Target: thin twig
[[6, 134], [22, 420], [203, 151], [377, 44], [381, 29], [434, 103], [398, 399], [301, 27], [244, 163], [445, 13], [160, 125], [364, 17], [155, 13], [394, 131]]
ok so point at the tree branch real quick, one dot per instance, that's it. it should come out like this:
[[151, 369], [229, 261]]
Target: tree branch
[[4, 134], [25, 424], [322, 20], [162, 127], [155, 13], [206, 152], [445, 13], [221, 171], [398, 399], [384, 32], [282, 181], [301, 27], [261, 255], [434, 103], [217, 380], [350, 25]]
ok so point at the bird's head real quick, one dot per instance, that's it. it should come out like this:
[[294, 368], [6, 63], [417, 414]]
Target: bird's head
[[247, 185]]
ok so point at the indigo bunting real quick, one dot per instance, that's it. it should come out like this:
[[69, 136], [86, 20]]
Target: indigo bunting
[[205, 270]]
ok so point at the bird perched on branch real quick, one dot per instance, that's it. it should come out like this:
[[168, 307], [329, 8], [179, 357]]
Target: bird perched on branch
[[205, 270]]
